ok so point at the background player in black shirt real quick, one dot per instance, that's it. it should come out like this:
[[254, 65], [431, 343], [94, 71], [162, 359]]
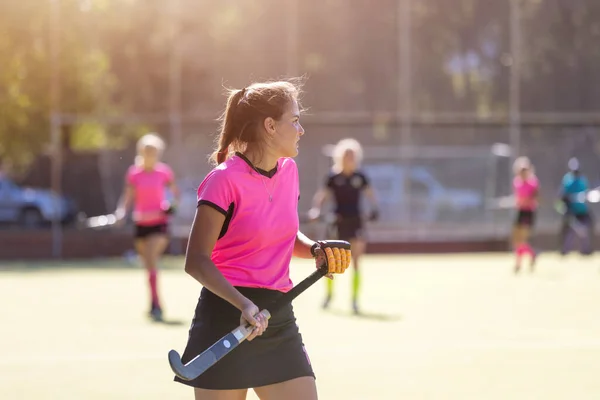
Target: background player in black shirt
[[344, 186]]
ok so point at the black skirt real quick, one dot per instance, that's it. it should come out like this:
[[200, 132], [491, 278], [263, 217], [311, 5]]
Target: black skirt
[[525, 218], [347, 228], [278, 355], [143, 231]]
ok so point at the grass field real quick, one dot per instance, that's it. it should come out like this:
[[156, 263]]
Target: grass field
[[436, 327]]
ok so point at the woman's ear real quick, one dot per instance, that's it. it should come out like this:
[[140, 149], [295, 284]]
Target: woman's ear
[[269, 125]]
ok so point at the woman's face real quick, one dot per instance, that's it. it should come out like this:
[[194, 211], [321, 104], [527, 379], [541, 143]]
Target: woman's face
[[349, 160], [288, 131], [524, 173], [149, 154]]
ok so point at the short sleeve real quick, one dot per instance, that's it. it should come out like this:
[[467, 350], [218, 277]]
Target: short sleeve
[[130, 175], [515, 184], [365, 181], [586, 183], [329, 181], [216, 191], [534, 182], [168, 174]]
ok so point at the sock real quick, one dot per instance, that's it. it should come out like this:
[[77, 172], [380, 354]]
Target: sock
[[528, 249], [355, 284], [520, 250], [152, 279]]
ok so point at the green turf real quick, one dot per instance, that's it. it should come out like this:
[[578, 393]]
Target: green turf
[[438, 327]]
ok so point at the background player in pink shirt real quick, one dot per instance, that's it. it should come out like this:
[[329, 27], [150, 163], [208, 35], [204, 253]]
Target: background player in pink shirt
[[243, 237], [526, 189], [146, 182]]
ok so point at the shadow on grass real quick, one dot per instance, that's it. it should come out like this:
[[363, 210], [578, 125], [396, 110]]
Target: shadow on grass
[[168, 322], [366, 315]]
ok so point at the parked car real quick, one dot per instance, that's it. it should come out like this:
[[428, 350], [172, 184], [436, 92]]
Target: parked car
[[31, 207], [430, 200]]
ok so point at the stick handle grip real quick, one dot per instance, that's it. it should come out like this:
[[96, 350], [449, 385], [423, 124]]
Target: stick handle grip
[[243, 331]]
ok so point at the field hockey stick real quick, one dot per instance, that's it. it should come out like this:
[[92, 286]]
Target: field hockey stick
[[108, 220], [99, 222], [501, 203], [199, 364], [593, 196], [209, 357]]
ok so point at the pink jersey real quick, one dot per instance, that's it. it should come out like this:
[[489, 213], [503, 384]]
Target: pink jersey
[[149, 187], [257, 240], [525, 193]]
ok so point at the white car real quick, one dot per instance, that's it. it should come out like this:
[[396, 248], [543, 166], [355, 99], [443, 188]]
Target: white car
[[30, 207], [429, 200]]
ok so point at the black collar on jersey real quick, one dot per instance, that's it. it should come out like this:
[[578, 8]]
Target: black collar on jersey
[[268, 174], [355, 172]]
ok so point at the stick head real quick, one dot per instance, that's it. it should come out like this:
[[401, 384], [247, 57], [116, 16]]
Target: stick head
[[177, 366]]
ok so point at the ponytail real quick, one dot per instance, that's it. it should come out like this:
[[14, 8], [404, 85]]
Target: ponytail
[[222, 155], [229, 132]]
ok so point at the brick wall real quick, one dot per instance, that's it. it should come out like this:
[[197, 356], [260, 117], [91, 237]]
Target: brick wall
[[27, 245]]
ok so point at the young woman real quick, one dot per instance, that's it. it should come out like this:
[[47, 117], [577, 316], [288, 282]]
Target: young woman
[[345, 184], [526, 190], [244, 234], [145, 188]]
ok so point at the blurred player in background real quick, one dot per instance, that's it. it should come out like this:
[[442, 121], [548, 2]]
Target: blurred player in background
[[344, 186], [145, 189], [577, 218], [526, 190]]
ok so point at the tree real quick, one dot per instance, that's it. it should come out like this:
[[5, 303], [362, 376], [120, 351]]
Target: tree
[[25, 50]]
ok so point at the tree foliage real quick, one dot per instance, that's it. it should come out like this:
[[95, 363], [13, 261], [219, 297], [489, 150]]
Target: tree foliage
[[116, 58]]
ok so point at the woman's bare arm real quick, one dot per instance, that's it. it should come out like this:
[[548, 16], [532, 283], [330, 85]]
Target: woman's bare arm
[[125, 202], [198, 264], [302, 246]]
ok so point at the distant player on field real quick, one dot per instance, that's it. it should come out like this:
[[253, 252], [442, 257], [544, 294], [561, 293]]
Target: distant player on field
[[526, 190], [146, 182], [577, 217], [344, 185]]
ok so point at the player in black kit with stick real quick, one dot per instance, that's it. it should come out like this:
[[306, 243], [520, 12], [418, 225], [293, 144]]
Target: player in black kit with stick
[[344, 185]]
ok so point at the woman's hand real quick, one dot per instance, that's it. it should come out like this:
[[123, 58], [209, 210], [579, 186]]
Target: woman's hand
[[320, 259], [336, 254], [120, 215], [251, 315]]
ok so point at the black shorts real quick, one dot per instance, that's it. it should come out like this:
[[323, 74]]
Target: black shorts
[[346, 228], [525, 218], [143, 231], [278, 355]]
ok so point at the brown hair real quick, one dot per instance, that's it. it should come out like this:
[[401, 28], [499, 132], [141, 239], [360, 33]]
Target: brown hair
[[246, 111]]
